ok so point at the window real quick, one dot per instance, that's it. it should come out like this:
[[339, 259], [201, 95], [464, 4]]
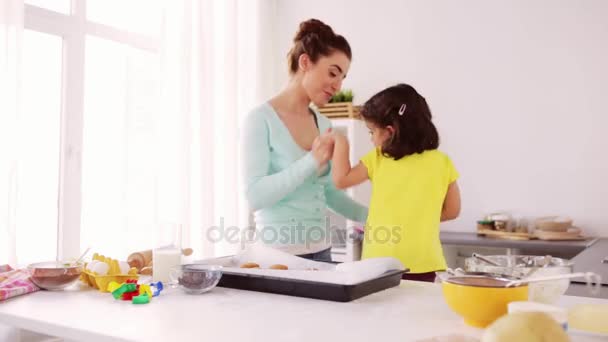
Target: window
[[90, 92], [39, 142], [140, 16], [61, 6], [123, 138], [119, 165]]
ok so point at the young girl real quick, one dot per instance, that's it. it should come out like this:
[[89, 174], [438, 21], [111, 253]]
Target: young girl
[[413, 184]]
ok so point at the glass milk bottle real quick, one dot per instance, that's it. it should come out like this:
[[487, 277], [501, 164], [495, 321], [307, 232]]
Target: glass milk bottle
[[168, 253]]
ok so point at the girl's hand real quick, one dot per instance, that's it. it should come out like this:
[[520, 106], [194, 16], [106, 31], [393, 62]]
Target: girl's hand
[[338, 137]]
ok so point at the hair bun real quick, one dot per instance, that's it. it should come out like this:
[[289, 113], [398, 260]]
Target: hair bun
[[316, 39], [313, 28]]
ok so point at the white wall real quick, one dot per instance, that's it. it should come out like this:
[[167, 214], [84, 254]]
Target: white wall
[[515, 87]]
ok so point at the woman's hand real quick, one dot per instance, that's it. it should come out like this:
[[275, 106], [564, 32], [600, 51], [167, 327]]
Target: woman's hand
[[323, 148]]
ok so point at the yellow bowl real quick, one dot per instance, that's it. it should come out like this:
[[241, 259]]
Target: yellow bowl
[[481, 300]]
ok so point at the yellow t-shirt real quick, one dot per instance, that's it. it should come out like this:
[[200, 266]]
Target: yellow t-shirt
[[405, 208]]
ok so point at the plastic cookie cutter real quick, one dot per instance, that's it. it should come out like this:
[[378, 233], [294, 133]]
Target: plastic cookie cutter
[[145, 289], [130, 295], [126, 287], [158, 287], [112, 286], [141, 299]]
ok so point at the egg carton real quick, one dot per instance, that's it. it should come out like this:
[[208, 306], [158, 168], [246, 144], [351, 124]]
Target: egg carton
[[114, 273]]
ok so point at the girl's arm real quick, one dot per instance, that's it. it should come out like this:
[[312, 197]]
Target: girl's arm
[[343, 175], [451, 203]]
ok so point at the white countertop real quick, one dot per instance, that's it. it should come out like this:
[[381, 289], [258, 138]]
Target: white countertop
[[412, 311]]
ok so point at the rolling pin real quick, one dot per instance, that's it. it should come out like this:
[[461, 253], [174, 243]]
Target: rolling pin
[[140, 260], [143, 259]]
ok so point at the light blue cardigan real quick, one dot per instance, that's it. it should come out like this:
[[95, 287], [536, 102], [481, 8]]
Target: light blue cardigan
[[283, 189]]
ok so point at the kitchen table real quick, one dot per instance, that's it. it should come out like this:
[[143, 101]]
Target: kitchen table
[[409, 312]]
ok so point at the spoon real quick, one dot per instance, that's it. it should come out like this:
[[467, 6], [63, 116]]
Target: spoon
[[82, 256], [589, 276], [484, 259]]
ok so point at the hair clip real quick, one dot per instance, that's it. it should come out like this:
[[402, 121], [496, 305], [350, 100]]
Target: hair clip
[[402, 109]]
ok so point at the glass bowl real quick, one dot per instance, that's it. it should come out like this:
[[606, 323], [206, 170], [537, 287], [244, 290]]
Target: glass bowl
[[529, 266], [54, 275], [195, 278]]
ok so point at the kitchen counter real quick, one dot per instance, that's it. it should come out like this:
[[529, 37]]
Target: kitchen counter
[[580, 289], [588, 254], [409, 312], [594, 259], [472, 239]]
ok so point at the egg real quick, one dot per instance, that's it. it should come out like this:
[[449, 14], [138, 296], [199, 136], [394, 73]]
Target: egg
[[101, 268], [91, 264], [124, 267]]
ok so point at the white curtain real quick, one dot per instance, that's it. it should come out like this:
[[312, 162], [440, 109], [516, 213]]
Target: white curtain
[[11, 32], [216, 63], [215, 68], [211, 75]]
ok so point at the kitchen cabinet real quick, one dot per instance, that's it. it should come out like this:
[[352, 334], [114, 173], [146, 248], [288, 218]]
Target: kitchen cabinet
[[458, 246]]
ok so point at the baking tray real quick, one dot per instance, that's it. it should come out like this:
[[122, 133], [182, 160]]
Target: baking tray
[[307, 288]]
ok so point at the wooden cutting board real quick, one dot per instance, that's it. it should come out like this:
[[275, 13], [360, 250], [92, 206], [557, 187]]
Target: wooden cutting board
[[505, 235], [571, 234]]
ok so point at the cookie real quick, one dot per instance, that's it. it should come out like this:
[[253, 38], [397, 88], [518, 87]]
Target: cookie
[[278, 267], [250, 265]]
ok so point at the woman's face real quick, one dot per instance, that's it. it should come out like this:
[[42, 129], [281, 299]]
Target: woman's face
[[321, 80], [379, 134]]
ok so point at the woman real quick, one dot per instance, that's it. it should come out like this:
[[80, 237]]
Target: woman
[[287, 149]]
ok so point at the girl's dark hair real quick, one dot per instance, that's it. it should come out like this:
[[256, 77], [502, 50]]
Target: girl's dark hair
[[315, 39], [414, 130]]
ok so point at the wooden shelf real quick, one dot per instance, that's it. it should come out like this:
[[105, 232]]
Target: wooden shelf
[[505, 235], [341, 110], [572, 234]]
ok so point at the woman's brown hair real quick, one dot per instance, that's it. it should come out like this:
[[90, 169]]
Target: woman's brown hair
[[315, 39], [402, 108]]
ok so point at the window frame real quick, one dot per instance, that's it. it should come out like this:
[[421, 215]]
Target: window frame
[[73, 29]]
